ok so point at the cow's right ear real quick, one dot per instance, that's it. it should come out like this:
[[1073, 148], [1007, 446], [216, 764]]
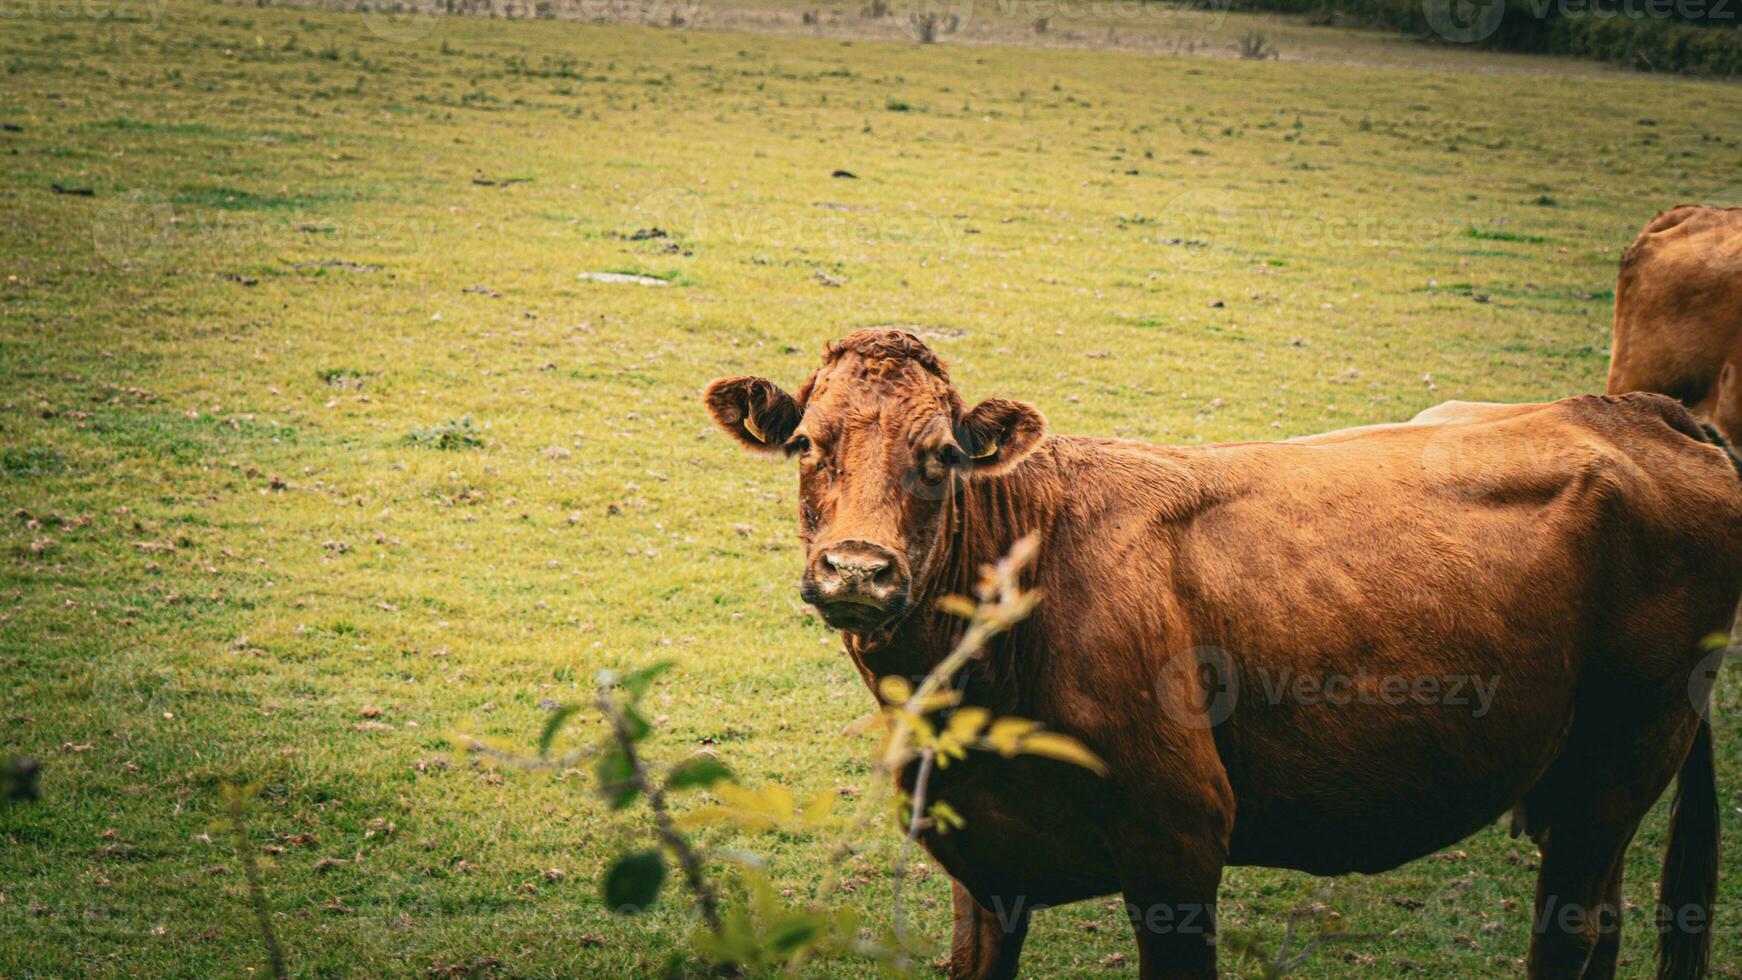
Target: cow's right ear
[[753, 411]]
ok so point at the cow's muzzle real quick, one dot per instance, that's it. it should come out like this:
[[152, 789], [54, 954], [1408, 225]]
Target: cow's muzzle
[[856, 585]]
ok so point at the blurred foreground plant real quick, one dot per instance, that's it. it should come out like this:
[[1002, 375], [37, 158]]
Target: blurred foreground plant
[[236, 803], [746, 925], [18, 780]]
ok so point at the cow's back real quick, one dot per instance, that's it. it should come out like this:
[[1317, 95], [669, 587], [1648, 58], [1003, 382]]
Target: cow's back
[[1631, 479], [1678, 313]]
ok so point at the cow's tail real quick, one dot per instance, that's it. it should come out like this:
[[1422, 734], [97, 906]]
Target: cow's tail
[[1690, 867]]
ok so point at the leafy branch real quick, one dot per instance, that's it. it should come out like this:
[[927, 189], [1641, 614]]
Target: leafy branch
[[1002, 603], [924, 727], [626, 733]]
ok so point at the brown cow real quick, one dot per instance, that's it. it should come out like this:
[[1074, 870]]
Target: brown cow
[[1201, 605], [1678, 314]]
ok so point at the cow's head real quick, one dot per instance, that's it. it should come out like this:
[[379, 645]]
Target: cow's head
[[884, 444]]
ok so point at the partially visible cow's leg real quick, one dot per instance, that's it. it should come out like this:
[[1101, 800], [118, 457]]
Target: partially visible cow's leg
[[1572, 888], [1605, 956], [1169, 845], [1176, 933], [1617, 762], [1170, 898], [987, 942]]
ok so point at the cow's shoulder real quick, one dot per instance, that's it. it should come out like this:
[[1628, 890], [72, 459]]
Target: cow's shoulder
[[1634, 418], [1642, 455]]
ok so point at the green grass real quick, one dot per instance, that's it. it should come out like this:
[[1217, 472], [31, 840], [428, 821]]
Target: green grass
[[228, 547]]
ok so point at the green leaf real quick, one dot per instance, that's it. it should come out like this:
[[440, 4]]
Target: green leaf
[[736, 933], [634, 881], [1063, 748], [697, 771], [616, 780], [636, 682], [553, 725], [790, 935], [635, 725]]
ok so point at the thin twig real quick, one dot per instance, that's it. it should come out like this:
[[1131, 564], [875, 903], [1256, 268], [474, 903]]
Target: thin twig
[[916, 823], [706, 900], [1285, 963], [983, 627], [1002, 605], [256, 890]]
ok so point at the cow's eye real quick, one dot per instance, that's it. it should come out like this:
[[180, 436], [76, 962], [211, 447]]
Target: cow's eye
[[798, 446], [934, 467]]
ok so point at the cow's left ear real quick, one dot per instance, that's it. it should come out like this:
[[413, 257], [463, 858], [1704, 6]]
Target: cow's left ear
[[753, 411], [998, 432]]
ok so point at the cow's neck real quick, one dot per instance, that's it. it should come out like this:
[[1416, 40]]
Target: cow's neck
[[986, 517]]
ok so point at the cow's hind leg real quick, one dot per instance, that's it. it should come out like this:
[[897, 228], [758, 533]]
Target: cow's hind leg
[[1578, 865], [1607, 953], [987, 942], [1616, 764]]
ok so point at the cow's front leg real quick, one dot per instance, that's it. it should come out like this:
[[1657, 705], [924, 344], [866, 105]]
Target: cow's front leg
[[1176, 938], [1170, 883], [1169, 847], [987, 942]]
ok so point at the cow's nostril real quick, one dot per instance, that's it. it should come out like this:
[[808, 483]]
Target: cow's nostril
[[857, 566]]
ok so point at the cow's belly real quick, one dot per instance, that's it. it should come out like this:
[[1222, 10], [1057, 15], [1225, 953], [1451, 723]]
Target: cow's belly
[[1338, 788], [1305, 837]]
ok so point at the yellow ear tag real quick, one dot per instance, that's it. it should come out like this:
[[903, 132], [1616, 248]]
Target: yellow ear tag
[[989, 450], [750, 425]]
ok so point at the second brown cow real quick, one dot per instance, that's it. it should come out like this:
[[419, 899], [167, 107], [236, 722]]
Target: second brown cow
[[1678, 314]]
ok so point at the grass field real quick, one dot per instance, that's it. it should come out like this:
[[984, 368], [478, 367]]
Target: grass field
[[318, 449]]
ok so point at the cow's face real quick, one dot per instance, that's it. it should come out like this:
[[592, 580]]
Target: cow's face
[[883, 443]]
